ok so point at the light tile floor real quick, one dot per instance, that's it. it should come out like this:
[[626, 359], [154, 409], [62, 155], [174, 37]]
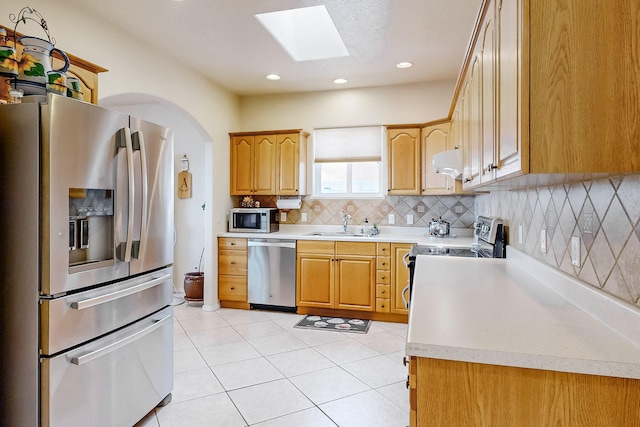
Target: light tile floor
[[252, 368]]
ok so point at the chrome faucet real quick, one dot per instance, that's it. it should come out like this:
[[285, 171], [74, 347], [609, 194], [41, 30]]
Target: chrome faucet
[[345, 220]]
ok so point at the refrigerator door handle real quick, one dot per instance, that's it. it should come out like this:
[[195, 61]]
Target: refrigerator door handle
[[137, 250], [92, 302], [123, 140], [86, 358]]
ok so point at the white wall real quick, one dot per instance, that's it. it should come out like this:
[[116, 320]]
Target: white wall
[[135, 68], [412, 103]]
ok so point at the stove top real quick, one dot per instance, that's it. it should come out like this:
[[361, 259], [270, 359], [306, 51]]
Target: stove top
[[490, 238]]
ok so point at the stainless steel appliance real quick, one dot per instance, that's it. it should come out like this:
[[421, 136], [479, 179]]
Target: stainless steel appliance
[[271, 274], [87, 223], [490, 242], [254, 220]]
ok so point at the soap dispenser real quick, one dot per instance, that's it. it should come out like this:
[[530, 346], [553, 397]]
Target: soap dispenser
[[365, 227]]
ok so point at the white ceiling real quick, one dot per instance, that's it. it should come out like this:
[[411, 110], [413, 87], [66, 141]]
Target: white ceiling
[[224, 41]]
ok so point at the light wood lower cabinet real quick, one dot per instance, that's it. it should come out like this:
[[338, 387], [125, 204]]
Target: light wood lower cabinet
[[232, 270], [399, 277], [337, 275], [451, 393], [383, 278]]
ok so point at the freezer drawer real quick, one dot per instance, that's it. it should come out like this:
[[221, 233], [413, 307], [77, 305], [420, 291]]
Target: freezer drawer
[[111, 382], [71, 320]]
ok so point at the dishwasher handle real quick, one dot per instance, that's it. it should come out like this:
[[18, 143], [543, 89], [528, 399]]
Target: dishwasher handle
[[277, 244]]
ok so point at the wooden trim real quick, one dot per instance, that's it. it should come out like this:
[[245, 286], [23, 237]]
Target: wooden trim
[[269, 132]]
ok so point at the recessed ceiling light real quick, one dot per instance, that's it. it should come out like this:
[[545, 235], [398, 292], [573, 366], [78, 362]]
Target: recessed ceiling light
[[272, 77], [405, 64], [306, 33], [340, 81]]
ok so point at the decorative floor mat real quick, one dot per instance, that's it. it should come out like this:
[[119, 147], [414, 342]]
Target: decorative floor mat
[[327, 323]]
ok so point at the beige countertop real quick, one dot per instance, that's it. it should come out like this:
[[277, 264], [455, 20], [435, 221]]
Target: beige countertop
[[519, 312], [457, 238]]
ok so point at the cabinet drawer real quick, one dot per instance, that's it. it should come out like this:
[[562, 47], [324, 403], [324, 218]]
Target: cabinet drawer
[[383, 291], [232, 288], [383, 305], [232, 262], [232, 243], [355, 248], [383, 263], [315, 246], [384, 249], [383, 277]]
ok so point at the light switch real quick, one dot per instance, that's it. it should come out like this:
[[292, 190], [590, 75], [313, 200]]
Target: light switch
[[409, 219], [392, 219], [543, 240], [303, 217], [520, 239], [283, 216], [575, 251]]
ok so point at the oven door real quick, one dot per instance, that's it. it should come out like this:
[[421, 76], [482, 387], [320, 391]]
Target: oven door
[[113, 381]]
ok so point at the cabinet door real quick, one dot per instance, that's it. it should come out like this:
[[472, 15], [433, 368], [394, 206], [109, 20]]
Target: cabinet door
[[264, 178], [242, 164], [435, 139], [355, 283], [399, 277], [314, 280], [509, 30], [488, 95], [288, 164], [404, 161], [472, 126]]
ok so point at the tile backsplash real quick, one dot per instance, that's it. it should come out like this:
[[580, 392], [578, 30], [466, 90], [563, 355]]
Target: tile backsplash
[[605, 215], [457, 210]]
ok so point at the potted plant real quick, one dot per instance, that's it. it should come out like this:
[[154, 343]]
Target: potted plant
[[194, 283]]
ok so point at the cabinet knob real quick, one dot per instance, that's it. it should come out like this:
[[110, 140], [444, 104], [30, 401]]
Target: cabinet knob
[[404, 361], [232, 262], [384, 249], [382, 305], [382, 292], [233, 287], [233, 243], [383, 277], [384, 263]]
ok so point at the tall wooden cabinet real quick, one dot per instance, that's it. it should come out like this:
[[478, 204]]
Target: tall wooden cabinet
[[268, 163], [547, 88], [337, 275]]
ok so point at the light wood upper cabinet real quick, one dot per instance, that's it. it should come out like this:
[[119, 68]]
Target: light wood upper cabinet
[[268, 163], [404, 160], [437, 137], [564, 93]]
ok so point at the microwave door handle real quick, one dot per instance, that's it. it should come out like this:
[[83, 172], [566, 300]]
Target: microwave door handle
[[123, 140], [138, 144]]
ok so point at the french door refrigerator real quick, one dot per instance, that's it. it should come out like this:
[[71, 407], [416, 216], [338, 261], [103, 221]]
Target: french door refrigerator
[[86, 212]]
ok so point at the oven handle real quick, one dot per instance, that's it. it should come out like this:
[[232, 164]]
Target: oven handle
[[86, 358], [404, 259], [91, 302], [404, 300]]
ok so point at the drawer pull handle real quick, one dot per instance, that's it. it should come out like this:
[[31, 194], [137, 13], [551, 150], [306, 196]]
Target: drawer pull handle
[[408, 383], [92, 302], [404, 361]]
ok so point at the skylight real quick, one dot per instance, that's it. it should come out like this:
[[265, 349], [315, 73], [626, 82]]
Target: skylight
[[306, 33]]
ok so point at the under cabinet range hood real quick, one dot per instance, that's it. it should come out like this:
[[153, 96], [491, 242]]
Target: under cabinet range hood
[[448, 163]]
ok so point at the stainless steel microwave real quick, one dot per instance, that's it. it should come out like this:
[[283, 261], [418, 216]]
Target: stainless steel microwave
[[253, 220]]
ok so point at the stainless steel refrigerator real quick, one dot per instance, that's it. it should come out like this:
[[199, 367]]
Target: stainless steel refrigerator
[[86, 214]]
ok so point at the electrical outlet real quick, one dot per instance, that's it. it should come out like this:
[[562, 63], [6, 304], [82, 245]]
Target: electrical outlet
[[520, 237], [543, 241], [575, 251], [588, 223], [409, 219], [283, 216], [392, 219], [303, 217]]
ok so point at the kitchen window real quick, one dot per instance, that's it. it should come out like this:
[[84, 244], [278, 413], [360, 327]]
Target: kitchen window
[[347, 162]]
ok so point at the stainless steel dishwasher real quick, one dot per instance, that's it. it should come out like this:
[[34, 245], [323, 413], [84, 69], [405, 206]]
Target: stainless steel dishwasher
[[271, 274]]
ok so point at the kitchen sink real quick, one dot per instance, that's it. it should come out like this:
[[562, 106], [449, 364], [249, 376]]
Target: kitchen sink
[[335, 234]]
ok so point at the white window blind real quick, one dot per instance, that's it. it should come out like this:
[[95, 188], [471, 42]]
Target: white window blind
[[353, 144]]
